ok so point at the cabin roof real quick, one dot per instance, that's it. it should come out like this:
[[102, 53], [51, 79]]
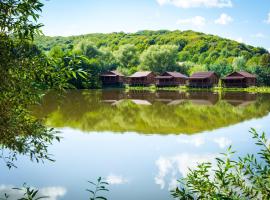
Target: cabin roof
[[112, 73], [140, 74], [164, 77], [239, 75], [246, 74], [202, 75], [175, 74]]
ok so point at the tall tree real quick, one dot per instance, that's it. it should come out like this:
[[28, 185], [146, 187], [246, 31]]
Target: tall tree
[[160, 58], [239, 64], [127, 56]]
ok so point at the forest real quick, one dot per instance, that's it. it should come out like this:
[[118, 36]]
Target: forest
[[183, 51]]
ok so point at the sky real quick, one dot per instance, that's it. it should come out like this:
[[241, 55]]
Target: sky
[[245, 21]]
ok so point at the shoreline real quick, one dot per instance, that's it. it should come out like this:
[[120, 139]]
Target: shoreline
[[214, 89]]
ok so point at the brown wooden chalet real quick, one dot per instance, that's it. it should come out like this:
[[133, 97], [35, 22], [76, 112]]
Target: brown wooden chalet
[[171, 79], [239, 79], [142, 78], [112, 78], [203, 79]]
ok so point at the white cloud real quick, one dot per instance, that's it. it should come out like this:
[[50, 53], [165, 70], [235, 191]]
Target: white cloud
[[53, 193], [224, 19], [259, 35], [197, 141], [222, 142], [237, 39], [240, 40], [197, 21], [116, 180], [197, 3], [268, 49], [171, 166], [268, 19]]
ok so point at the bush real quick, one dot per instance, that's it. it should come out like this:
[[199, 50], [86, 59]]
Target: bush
[[245, 178]]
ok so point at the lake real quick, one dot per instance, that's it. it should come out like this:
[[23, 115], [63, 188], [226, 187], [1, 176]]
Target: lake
[[141, 142]]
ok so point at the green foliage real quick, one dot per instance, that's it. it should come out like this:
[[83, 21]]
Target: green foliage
[[221, 70], [127, 56], [245, 178], [30, 193], [265, 60], [26, 73], [17, 17], [163, 50], [98, 187], [239, 64], [159, 58]]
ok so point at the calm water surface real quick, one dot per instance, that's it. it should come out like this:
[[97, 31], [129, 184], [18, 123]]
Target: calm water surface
[[141, 142]]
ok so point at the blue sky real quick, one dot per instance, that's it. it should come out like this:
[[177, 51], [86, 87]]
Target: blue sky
[[247, 21]]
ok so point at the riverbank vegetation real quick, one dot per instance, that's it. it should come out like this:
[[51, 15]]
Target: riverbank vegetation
[[220, 89]]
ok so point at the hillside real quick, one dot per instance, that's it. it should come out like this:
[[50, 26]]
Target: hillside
[[193, 46], [184, 51]]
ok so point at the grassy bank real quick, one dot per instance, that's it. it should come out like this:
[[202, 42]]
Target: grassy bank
[[214, 89]]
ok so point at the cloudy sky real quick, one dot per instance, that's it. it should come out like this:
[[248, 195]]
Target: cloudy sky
[[247, 21]]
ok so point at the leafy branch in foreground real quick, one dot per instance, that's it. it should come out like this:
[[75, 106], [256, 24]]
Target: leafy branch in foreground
[[245, 178], [100, 186], [28, 193]]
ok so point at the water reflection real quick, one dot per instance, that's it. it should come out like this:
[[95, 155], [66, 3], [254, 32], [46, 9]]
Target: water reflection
[[171, 168], [161, 112]]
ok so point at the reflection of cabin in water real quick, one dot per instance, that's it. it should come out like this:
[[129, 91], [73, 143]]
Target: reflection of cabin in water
[[112, 96], [171, 79], [239, 99], [142, 78], [203, 80], [170, 96], [239, 79], [203, 98], [112, 78]]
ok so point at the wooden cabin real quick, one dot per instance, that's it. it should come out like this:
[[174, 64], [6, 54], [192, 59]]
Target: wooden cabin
[[203, 80], [240, 79], [171, 79], [145, 78], [112, 78]]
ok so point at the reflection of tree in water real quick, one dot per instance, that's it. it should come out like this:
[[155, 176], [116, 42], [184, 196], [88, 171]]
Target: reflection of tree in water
[[22, 134], [146, 112]]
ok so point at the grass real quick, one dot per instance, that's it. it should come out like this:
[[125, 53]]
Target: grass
[[153, 88]]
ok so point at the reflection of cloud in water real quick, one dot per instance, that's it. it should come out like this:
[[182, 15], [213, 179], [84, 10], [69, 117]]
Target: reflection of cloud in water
[[222, 142], [116, 180], [179, 164], [196, 141], [54, 193]]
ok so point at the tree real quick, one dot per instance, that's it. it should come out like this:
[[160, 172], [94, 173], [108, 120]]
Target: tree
[[26, 73], [239, 63], [220, 69], [88, 49], [56, 52], [265, 60], [159, 58], [127, 56]]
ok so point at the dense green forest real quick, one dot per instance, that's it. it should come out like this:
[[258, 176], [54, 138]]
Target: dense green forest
[[158, 51]]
